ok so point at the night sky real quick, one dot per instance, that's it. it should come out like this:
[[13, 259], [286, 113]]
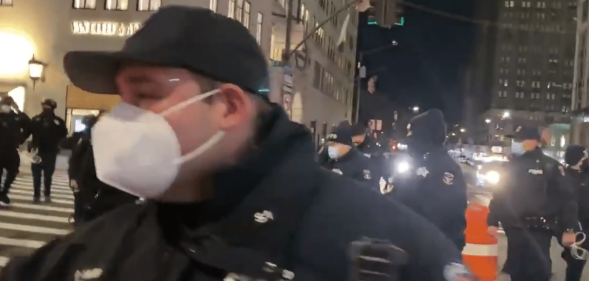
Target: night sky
[[427, 68]]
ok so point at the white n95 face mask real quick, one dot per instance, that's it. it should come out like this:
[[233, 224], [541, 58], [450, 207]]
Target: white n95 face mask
[[137, 151]]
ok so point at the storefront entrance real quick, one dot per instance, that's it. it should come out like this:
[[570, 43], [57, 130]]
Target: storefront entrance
[[80, 103]]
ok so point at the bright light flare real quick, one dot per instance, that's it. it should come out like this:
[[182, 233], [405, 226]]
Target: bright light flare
[[492, 177], [15, 52], [403, 167]]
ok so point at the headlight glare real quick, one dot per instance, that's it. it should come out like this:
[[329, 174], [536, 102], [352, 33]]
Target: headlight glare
[[492, 177], [402, 167]]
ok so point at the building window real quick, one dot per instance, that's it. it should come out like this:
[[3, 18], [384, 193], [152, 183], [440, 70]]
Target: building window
[[118, 5], [259, 27], [78, 4], [5, 2], [239, 11], [246, 14], [231, 12], [213, 5], [148, 5]]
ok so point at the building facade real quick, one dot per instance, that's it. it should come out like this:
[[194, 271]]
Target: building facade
[[533, 63], [47, 30], [580, 101], [322, 73]]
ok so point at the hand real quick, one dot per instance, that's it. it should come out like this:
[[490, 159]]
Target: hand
[[493, 230], [569, 238], [73, 184]]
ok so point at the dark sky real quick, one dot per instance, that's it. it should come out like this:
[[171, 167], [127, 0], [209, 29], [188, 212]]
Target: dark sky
[[427, 67]]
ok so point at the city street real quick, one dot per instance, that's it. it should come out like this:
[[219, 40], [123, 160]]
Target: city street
[[558, 265], [28, 226]]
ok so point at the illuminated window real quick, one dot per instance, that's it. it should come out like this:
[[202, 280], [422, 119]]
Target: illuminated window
[[5, 2], [148, 5], [246, 14], [213, 5], [117, 5], [239, 11], [259, 27], [78, 4], [231, 12]]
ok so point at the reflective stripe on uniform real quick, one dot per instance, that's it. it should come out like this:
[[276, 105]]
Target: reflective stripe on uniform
[[480, 250]]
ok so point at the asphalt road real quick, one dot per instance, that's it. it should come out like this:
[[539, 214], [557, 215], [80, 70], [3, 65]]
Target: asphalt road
[[558, 265]]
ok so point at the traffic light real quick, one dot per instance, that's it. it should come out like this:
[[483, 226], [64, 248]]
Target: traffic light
[[385, 13]]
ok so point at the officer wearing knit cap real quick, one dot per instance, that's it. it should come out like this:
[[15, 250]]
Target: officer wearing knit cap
[[534, 192], [344, 158], [576, 159]]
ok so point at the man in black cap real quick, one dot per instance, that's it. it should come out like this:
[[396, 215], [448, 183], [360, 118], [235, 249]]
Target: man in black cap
[[533, 201], [47, 130], [344, 159], [14, 129], [434, 185], [232, 186], [576, 159], [372, 150]]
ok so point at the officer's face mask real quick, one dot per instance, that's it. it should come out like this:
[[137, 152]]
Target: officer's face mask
[[333, 152], [137, 151], [5, 108], [517, 148]]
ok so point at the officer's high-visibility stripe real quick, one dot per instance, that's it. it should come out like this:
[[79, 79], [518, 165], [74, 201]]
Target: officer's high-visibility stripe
[[480, 250]]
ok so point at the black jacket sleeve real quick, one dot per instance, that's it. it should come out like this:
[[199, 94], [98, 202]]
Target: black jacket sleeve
[[569, 213], [25, 126]]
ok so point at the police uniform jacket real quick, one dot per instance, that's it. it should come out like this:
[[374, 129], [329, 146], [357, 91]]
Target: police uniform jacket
[[9, 133], [276, 213], [353, 165], [374, 153], [533, 185], [580, 182], [47, 130], [436, 189]]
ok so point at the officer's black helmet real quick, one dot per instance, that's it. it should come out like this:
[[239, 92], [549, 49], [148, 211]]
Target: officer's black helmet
[[89, 120]]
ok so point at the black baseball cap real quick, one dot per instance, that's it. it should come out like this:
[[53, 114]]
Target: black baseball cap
[[525, 132], [193, 38], [341, 134]]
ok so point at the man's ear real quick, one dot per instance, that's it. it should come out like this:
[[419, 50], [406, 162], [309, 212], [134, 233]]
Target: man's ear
[[237, 107]]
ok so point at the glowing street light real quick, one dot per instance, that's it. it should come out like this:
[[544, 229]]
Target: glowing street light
[[462, 130], [506, 114], [416, 109], [487, 120]]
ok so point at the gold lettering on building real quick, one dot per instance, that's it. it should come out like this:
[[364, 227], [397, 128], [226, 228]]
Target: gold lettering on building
[[104, 28]]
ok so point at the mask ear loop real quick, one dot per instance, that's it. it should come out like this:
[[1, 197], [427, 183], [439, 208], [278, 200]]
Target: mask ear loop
[[189, 101]]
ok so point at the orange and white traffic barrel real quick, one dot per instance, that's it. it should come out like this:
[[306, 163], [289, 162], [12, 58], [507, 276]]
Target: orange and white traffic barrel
[[480, 252]]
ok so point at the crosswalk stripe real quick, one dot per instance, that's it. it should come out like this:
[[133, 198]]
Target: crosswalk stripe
[[33, 229], [3, 261], [25, 243], [42, 207], [28, 192], [12, 214], [58, 201], [53, 186]]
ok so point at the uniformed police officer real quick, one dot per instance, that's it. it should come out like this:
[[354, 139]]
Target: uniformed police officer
[[435, 188], [535, 200], [47, 130], [371, 149], [232, 185], [577, 167], [10, 139], [344, 159]]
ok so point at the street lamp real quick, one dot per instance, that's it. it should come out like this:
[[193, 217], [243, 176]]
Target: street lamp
[[487, 120], [416, 109], [506, 114], [462, 130], [36, 70]]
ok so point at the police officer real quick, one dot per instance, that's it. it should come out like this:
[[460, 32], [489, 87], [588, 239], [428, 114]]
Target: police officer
[[372, 150], [47, 130], [577, 167], [535, 200], [436, 188], [344, 159], [10, 139], [232, 185]]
